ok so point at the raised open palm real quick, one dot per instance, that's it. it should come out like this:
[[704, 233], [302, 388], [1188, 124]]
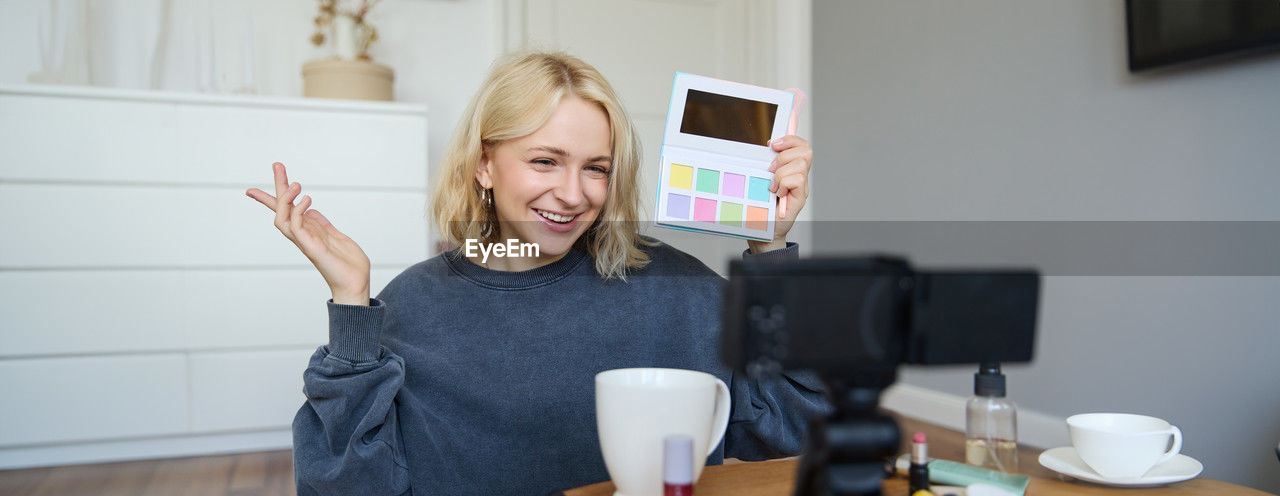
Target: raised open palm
[[339, 259]]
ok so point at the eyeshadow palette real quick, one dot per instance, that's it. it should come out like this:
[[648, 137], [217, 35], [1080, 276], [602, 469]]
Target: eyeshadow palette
[[714, 175]]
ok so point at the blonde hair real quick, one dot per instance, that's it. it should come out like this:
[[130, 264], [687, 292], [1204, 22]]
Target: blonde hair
[[519, 96]]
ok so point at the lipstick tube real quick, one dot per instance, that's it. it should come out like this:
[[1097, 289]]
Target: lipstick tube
[[918, 473]]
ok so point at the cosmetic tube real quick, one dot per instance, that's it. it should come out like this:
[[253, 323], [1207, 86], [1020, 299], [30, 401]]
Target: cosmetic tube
[[952, 473], [677, 465], [918, 474]]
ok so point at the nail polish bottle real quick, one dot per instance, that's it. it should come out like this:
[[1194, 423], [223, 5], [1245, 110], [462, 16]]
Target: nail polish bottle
[[677, 465]]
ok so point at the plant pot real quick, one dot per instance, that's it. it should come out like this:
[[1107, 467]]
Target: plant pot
[[351, 79]]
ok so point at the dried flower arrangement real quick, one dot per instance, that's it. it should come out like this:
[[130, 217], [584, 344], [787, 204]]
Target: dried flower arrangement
[[365, 33]]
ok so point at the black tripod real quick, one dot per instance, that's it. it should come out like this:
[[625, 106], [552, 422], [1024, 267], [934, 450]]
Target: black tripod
[[847, 451]]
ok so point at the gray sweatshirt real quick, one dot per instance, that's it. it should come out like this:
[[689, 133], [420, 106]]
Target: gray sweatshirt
[[462, 380]]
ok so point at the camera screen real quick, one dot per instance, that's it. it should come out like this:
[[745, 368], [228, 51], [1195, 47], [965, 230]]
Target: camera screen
[[728, 118]]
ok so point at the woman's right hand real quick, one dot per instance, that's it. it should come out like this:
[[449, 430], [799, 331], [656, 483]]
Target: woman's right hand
[[339, 259]]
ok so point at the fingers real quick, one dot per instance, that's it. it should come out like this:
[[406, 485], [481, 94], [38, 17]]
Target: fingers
[[262, 197], [282, 180], [792, 154], [315, 215], [324, 223], [796, 169], [791, 171], [795, 187], [791, 179], [295, 219], [793, 209], [788, 141], [284, 206], [289, 217]]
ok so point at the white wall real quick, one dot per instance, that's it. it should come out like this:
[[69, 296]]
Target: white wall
[[1000, 110], [440, 49]]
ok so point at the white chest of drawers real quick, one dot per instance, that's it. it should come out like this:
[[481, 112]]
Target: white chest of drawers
[[147, 306]]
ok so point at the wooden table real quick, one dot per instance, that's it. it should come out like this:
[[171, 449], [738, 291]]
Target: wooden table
[[775, 478]]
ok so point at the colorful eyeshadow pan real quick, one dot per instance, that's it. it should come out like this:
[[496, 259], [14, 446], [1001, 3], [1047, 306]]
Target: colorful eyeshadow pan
[[681, 176], [733, 185], [757, 218], [759, 189], [731, 214], [709, 181], [704, 210], [677, 206]]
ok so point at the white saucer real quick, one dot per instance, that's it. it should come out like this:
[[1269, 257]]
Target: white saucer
[[1067, 462]]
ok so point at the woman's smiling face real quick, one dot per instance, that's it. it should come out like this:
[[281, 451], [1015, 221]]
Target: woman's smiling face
[[549, 186]]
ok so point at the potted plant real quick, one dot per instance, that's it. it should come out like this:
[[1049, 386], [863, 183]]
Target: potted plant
[[350, 72]]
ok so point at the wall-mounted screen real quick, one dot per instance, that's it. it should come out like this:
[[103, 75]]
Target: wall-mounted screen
[[1165, 32]]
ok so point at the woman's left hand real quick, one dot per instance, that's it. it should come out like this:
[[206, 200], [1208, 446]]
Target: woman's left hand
[[791, 181]]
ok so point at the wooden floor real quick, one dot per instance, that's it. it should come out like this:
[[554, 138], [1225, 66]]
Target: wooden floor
[[245, 474]]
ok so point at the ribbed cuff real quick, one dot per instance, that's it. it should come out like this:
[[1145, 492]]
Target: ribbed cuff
[[355, 330], [791, 252]]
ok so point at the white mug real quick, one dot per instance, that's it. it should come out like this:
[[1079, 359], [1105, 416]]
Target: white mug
[[1122, 445], [637, 408]]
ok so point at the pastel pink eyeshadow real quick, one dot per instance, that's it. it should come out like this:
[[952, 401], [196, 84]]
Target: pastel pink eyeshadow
[[704, 210]]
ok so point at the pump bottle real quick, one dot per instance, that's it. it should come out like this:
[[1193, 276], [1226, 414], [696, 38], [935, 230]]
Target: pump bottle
[[991, 423]]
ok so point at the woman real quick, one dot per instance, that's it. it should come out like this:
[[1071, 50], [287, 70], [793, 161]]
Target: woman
[[474, 375]]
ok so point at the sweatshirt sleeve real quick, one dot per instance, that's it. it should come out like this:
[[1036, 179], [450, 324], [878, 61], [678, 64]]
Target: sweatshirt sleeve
[[770, 416], [791, 252], [346, 439]]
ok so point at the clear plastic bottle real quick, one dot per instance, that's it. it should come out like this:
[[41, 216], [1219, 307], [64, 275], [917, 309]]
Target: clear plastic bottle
[[991, 423]]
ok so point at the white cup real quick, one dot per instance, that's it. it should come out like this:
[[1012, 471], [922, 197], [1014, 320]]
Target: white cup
[[637, 408], [1122, 445]]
